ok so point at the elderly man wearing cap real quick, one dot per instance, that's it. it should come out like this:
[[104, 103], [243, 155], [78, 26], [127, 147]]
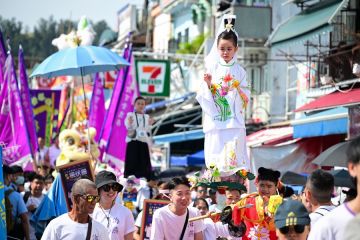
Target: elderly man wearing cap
[[292, 221], [117, 219]]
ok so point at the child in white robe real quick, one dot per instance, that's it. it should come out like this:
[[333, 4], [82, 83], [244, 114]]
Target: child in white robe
[[223, 96]]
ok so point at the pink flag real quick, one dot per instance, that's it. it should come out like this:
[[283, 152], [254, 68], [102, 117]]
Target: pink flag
[[26, 104], [110, 114], [116, 147], [13, 131], [97, 107]]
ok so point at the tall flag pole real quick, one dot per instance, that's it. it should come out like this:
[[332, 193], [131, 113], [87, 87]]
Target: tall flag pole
[[26, 104], [2, 200], [97, 107]]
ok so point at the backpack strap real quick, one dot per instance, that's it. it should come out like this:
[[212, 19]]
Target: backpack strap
[[88, 234], [26, 196]]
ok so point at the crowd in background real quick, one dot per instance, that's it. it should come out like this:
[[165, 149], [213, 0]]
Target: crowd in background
[[311, 214]]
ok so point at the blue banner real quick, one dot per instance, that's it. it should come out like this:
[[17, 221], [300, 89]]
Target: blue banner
[[2, 200]]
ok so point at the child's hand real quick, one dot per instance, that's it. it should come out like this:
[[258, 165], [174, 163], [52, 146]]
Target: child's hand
[[130, 120], [207, 79]]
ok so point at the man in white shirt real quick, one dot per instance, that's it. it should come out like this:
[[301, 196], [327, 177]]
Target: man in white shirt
[[147, 192], [33, 199], [171, 221], [77, 224], [332, 226], [318, 191]]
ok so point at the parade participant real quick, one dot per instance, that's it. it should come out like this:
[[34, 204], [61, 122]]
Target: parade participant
[[171, 221], [52, 154], [223, 97], [42, 151], [117, 219], [33, 199], [77, 224], [292, 221], [209, 226], [138, 125], [259, 218], [329, 227], [129, 194], [147, 192], [318, 191], [15, 209], [163, 188]]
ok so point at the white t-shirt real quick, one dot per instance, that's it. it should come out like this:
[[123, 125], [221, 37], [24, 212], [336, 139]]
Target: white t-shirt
[[64, 228], [168, 226], [33, 201], [332, 226], [121, 220], [320, 212], [209, 229], [222, 230], [54, 152]]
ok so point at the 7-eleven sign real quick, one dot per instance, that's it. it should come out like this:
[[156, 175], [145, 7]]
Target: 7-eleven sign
[[153, 77]]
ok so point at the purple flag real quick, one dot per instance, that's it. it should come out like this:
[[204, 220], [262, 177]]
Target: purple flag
[[110, 114], [26, 104], [45, 104], [116, 147], [13, 132], [97, 107]]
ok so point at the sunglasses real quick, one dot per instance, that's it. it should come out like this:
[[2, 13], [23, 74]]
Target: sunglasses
[[114, 187], [297, 228], [91, 198]]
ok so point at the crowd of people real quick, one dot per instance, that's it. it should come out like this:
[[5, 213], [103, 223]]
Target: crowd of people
[[99, 213]]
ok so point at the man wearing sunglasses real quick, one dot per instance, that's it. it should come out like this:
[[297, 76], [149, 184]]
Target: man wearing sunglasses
[[292, 221], [77, 224]]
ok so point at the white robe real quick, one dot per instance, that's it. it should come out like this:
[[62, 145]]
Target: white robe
[[225, 140]]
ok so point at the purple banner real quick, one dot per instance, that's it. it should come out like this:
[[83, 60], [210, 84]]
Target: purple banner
[[45, 104], [97, 107], [116, 148], [13, 135], [110, 114], [26, 104]]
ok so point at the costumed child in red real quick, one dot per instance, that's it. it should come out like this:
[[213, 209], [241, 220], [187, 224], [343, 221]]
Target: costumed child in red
[[258, 219]]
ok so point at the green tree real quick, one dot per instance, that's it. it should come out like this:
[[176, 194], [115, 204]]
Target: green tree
[[99, 27], [193, 46]]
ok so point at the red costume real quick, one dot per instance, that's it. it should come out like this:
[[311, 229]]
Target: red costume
[[259, 220]]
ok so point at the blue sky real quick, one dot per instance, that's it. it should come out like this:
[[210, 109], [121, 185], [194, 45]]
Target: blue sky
[[30, 11]]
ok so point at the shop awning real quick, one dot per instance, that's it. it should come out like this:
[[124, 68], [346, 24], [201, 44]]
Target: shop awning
[[315, 20], [329, 122], [336, 99], [196, 159], [165, 103], [271, 136]]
